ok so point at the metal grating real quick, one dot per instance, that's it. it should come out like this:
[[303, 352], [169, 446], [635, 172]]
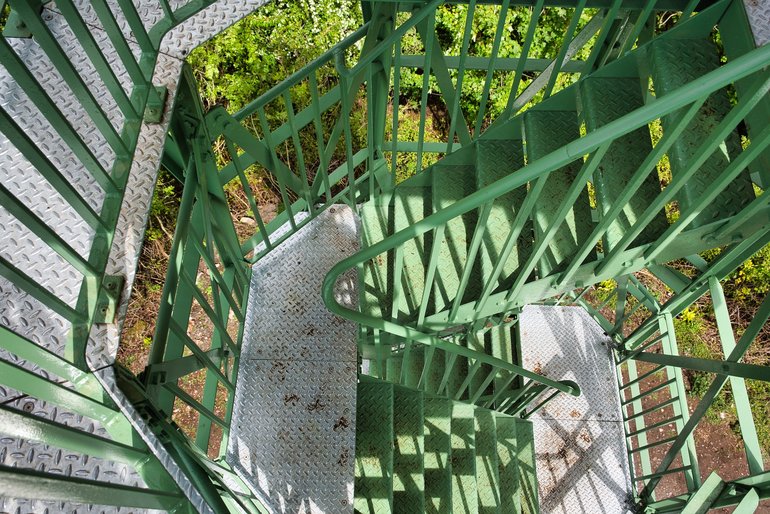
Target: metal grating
[[579, 442], [293, 433]]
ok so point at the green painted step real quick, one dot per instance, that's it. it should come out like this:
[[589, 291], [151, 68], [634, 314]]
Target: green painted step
[[464, 496], [377, 293], [374, 448], [604, 100], [408, 448], [501, 342], [432, 454], [676, 62], [487, 480], [411, 204], [507, 464], [525, 459], [451, 184], [438, 447], [545, 132], [497, 159]]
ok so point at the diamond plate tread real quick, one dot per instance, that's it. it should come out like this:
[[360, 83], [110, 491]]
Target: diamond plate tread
[[376, 293], [451, 184], [758, 13], [374, 448], [487, 479], [605, 100], [545, 132], [497, 159], [675, 63], [525, 463], [286, 289], [507, 469], [408, 451], [580, 442], [438, 448], [293, 433], [411, 205], [586, 465], [26, 454], [463, 464]]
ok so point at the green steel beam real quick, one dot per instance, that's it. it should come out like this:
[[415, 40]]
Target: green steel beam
[[723, 368], [35, 485]]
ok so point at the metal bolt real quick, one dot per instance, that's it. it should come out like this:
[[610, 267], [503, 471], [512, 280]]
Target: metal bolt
[[28, 407]]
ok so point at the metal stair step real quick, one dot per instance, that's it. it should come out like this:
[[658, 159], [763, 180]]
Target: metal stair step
[[487, 479], [495, 160], [374, 448], [675, 63], [545, 132], [411, 204], [376, 293], [438, 448], [501, 343], [408, 444], [525, 459], [464, 495], [507, 464], [451, 184], [604, 100]]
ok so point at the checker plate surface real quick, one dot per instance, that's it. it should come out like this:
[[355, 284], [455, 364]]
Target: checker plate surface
[[293, 433], [579, 442]]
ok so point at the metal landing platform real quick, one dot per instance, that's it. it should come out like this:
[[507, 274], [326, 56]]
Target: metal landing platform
[[579, 442], [293, 431]]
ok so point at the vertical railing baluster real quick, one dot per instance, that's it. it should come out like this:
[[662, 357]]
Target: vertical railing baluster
[[461, 74], [501, 23]]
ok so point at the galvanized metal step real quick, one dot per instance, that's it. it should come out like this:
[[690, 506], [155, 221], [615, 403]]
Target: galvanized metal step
[[546, 131], [675, 63], [294, 416], [604, 100]]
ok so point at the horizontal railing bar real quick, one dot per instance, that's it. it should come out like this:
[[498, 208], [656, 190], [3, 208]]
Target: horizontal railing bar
[[297, 77], [501, 63], [662, 473], [649, 391], [34, 485], [29, 427], [642, 377], [40, 293], [34, 385], [647, 428], [651, 409], [195, 404], [652, 445]]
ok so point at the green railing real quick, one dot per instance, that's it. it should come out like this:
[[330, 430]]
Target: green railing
[[654, 341], [317, 156]]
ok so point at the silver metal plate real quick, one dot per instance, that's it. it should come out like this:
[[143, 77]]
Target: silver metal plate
[[293, 434], [579, 442], [758, 12]]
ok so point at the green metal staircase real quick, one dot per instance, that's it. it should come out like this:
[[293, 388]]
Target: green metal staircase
[[550, 186], [423, 453]]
